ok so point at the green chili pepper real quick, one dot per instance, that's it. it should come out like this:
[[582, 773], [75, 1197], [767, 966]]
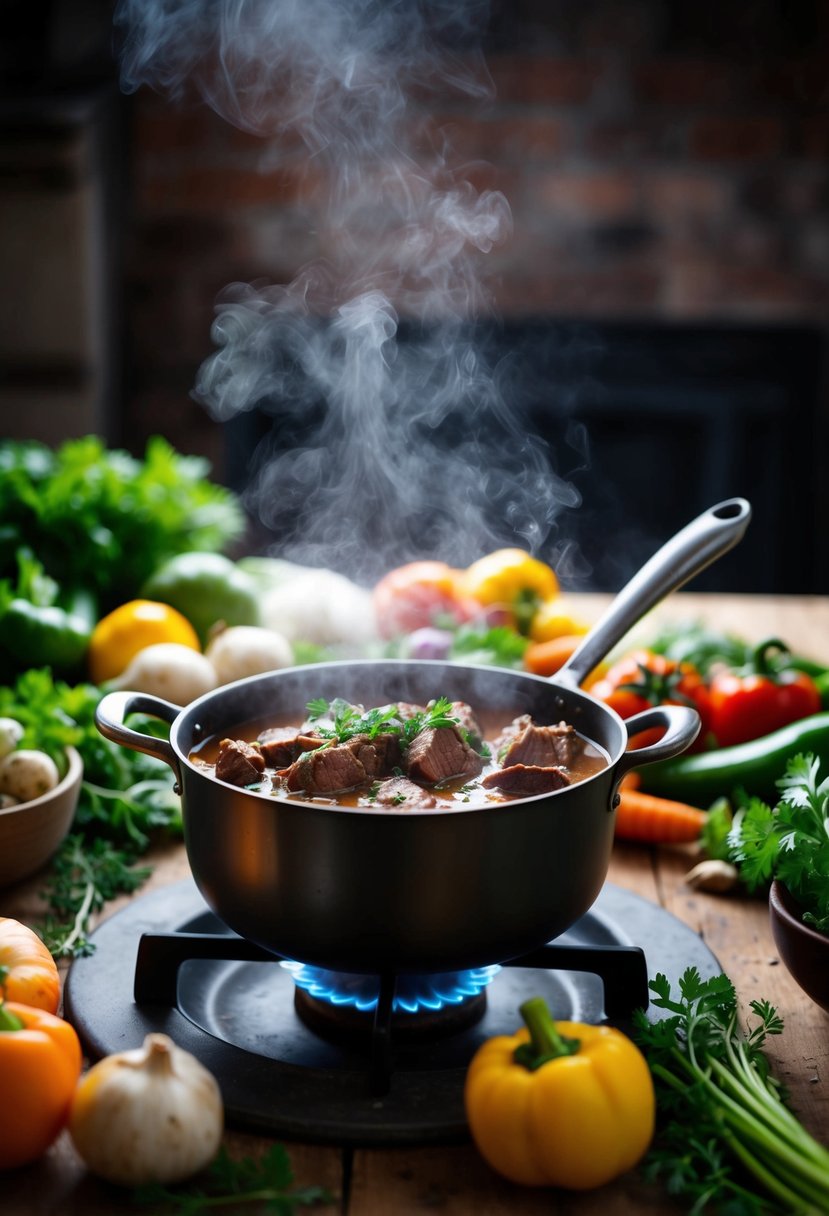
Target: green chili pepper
[[43, 636], [753, 767]]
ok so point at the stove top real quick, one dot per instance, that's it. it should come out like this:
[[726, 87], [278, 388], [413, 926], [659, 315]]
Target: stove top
[[234, 1007]]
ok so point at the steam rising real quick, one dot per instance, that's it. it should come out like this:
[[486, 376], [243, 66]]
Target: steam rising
[[384, 449]]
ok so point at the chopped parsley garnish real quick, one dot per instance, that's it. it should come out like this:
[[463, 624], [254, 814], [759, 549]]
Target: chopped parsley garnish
[[338, 721]]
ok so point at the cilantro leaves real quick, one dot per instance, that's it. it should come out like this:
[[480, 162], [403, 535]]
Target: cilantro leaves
[[790, 841]]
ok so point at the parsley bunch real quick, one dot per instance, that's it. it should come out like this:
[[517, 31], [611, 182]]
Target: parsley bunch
[[790, 841], [726, 1140], [103, 520]]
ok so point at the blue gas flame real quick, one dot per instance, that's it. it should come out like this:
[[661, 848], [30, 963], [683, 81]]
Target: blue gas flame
[[413, 993]]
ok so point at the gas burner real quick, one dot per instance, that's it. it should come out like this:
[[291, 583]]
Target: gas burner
[[293, 1064]]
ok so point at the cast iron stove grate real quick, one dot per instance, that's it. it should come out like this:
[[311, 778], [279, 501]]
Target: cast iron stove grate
[[166, 963]]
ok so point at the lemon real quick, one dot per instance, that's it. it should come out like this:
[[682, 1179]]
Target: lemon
[[130, 628]]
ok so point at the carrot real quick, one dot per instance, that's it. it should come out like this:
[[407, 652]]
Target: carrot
[[545, 658], [653, 820]]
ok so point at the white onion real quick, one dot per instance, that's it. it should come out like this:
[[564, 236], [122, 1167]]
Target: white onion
[[322, 607]]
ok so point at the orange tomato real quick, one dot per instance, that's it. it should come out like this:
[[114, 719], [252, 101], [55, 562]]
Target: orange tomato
[[40, 1063], [130, 628], [419, 594], [28, 973]]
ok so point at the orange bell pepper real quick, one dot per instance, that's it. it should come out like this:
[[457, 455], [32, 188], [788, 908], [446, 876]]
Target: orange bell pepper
[[40, 1063]]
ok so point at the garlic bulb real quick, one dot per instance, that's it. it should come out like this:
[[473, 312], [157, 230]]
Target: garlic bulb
[[153, 1114]]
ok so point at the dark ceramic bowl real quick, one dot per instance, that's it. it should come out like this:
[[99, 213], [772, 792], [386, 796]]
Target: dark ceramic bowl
[[804, 951]]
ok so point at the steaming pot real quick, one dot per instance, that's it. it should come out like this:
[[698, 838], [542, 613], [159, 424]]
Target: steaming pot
[[377, 890]]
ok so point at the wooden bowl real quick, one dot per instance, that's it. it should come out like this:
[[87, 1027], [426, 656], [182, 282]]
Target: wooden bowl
[[31, 832], [803, 949]]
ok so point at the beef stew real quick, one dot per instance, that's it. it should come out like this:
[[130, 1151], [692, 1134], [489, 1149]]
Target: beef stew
[[401, 757]]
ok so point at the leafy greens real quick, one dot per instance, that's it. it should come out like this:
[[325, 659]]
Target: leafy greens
[[126, 798], [726, 1141], [103, 520], [267, 1183], [790, 841]]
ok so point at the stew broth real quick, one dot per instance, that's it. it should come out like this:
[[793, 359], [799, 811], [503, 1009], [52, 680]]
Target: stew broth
[[400, 757]]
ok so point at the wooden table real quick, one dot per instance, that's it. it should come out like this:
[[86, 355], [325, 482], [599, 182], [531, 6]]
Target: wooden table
[[455, 1181]]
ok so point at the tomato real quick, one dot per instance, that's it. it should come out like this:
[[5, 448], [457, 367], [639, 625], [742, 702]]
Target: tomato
[[130, 628], [760, 698], [643, 679], [418, 595], [28, 973], [40, 1063]]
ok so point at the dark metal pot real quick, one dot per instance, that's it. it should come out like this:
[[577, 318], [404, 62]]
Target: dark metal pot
[[367, 890]]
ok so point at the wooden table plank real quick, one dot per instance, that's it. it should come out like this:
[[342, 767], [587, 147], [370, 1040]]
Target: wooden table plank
[[457, 1182]]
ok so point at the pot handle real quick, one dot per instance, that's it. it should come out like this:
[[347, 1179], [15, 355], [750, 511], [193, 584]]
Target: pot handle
[[114, 708], [681, 725], [688, 553]]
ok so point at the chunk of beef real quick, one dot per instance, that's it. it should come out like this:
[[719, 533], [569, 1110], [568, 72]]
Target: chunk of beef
[[467, 722], [541, 746], [401, 794], [379, 756], [440, 753], [238, 762], [326, 770], [526, 779], [281, 745]]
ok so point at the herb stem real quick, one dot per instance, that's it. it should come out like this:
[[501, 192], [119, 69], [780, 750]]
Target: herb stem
[[67, 945]]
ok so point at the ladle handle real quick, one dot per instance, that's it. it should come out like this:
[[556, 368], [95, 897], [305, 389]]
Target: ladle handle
[[696, 546]]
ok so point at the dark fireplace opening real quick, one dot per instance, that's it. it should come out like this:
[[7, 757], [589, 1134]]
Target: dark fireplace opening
[[674, 418]]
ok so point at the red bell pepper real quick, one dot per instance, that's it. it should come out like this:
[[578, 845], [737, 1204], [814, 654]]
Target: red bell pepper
[[761, 697]]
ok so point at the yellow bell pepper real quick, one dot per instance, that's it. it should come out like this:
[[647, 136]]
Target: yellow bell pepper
[[552, 621], [513, 580], [560, 1104]]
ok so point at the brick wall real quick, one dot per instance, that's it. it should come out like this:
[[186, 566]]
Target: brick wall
[[660, 161]]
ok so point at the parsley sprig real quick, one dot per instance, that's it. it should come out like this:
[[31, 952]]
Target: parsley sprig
[[789, 841], [338, 720], [267, 1182], [727, 1141]]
